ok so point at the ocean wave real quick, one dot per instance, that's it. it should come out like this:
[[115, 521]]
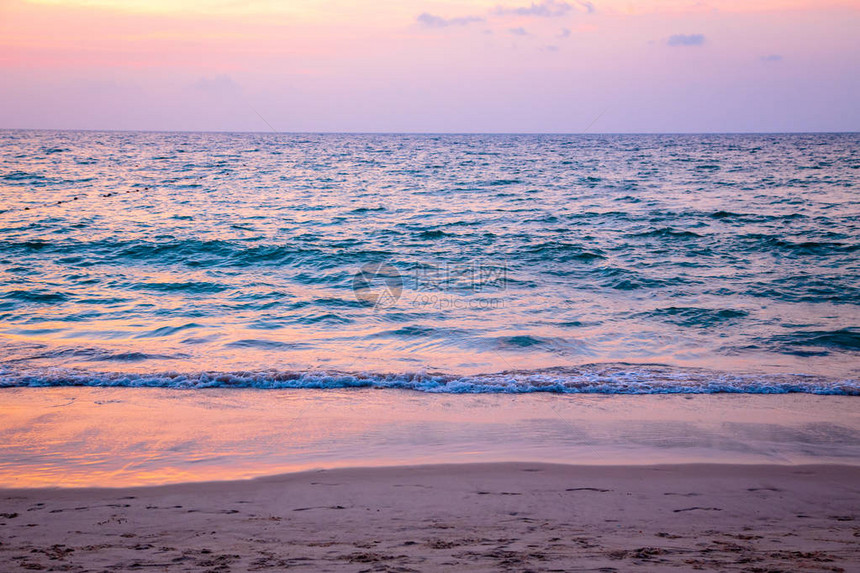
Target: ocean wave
[[771, 243], [85, 354], [845, 339], [668, 233], [542, 250], [559, 252], [37, 296], [695, 316], [200, 253], [591, 379]]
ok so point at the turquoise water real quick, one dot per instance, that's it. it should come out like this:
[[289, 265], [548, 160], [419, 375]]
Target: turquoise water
[[455, 263]]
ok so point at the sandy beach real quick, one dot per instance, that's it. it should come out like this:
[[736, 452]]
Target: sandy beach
[[129, 437], [476, 517], [105, 479]]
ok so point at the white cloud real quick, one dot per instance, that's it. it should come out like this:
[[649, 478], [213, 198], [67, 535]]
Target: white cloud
[[546, 9], [686, 40], [432, 21]]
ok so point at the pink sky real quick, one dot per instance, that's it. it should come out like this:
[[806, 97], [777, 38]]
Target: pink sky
[[430, 65]]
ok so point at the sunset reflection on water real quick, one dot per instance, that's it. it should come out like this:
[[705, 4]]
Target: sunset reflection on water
[[104, 437]]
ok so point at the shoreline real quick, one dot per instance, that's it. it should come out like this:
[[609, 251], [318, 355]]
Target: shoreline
[[76, 437], [298, 474], [441, 467], [465, 517]]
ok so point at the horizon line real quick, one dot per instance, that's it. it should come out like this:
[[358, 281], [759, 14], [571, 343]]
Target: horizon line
[[431, 133]]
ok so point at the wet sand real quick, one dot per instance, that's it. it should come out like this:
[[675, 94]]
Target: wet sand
[[474, 517], [118, 437]]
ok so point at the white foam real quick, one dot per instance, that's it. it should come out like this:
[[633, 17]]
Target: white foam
[[591, 379]]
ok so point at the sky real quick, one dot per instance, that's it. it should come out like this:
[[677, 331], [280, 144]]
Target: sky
[[569, 66]]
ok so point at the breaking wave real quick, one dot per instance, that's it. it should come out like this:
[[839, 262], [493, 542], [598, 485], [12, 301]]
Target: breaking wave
[[592, 379]]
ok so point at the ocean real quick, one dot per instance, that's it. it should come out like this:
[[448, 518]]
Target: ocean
[[631, 264]]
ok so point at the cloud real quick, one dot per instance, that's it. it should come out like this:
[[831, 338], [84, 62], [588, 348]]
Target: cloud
[[546, 9], [565, 33], [218, 85], [431, 21], [589, 7], [771, 58], [518, 31], [686, 40]]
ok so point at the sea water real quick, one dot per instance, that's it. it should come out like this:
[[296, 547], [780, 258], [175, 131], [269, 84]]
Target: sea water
[[439, 263]]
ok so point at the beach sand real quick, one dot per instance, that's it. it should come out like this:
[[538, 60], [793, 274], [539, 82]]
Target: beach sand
[[469, 517], [126, 437]]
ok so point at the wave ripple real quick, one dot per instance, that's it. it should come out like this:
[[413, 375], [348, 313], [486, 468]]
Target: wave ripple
[[593, 379]]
